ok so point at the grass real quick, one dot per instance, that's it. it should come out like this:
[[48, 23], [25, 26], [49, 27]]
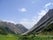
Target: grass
[[29, 37], [8, 37], [39, 37], [44, 37]]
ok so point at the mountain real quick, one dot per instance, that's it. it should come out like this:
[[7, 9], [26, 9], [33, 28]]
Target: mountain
[[44, 24], [7, 27], [21, 28]]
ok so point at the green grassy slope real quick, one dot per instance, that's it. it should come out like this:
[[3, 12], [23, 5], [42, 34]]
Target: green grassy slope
[[29, 37], [8, 37]]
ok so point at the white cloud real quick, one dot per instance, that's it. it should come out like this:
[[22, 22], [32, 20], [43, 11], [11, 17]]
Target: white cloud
[[9, 21], [22, 9], [48, 4], [42, 13], [29, 23]]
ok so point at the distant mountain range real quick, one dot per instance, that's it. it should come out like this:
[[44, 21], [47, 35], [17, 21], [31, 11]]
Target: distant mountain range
[[7, 27]]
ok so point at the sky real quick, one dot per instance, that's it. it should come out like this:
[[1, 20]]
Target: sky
[[25, 12]]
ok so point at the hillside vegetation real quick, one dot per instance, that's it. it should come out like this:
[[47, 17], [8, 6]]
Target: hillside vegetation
[[7, 34], [28, 37]]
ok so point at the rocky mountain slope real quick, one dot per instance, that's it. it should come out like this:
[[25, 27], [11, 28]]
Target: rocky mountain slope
[[7, 27]]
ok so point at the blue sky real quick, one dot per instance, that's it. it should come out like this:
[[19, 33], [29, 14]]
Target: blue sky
[[26, 12]]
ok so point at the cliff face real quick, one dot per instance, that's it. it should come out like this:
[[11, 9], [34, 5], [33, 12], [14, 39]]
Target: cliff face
[[12, 28], [42, 24]]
